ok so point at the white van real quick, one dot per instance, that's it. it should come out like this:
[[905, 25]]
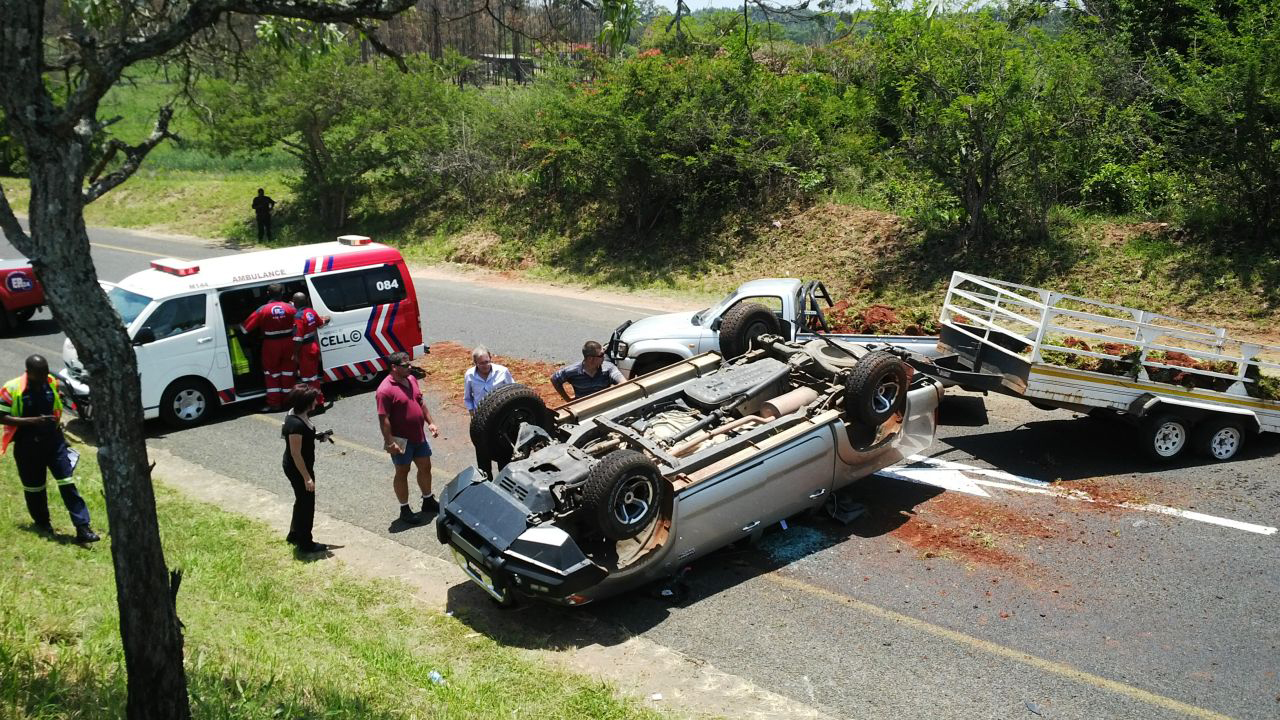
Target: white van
[[180, 315]]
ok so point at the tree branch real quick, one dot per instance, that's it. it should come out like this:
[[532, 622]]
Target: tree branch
[[134, 155], [368, 34]]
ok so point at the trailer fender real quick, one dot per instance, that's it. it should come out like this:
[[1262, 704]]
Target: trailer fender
[[1148, 404]]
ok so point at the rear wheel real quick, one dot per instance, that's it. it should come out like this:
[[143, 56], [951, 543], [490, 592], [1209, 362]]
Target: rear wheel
[[186, 403], [24, 314], [497, 421], [742, 325], [624, 493], [1165, 436], [1219, 438], [876, 390]]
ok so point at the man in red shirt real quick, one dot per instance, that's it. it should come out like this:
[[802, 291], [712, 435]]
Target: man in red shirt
[[402, 412], [306, 343], [275, 319]]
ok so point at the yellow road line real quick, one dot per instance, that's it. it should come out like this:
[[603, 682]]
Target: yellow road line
[[134, 250], [986, 646]]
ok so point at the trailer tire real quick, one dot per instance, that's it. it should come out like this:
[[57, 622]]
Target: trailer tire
[[1165, 436], [1219, 438], [497, 421], [876, 389], [624, 493], [742, 325]]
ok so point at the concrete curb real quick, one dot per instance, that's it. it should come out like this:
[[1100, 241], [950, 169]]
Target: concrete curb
[[635, 665]]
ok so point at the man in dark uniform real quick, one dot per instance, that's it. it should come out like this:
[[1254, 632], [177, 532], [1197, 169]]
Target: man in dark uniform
[[30, 411], [262, 206]]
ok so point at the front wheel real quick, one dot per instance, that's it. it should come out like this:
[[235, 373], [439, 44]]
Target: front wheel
[[186, 403], [1165, 436], [1219, 439], [624, 493]]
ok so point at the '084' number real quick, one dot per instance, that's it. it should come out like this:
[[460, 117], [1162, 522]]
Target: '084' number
[[388, 284]]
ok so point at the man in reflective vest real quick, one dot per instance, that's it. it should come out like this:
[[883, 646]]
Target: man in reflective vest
[[30, 411], [306, 343], [275, 319]]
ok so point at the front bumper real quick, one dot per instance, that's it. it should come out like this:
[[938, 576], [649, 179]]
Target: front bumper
[[77, 392], [500, 551]]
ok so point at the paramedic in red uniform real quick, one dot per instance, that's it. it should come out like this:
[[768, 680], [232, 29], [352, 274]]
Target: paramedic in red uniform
[[306, 343], [275, 320]]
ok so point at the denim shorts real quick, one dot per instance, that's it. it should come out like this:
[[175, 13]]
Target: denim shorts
[[413, 451]]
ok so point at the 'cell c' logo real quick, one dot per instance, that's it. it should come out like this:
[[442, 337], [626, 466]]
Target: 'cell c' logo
[[355, 336], [19, 282]]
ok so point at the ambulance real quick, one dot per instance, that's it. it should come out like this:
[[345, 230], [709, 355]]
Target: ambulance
[[183, 318]]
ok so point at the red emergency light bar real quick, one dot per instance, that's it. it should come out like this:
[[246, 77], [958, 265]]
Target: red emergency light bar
[[181, 268], [354, 239]]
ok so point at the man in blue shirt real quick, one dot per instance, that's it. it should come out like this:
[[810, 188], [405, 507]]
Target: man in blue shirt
[[591, 375]]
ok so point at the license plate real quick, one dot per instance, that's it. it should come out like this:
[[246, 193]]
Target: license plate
[[479, 575]]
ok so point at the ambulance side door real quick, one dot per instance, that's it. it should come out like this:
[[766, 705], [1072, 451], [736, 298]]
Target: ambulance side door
[[361, 304], [175, 339]]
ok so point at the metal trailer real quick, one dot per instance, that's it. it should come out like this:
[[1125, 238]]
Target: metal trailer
[[1062, 351]]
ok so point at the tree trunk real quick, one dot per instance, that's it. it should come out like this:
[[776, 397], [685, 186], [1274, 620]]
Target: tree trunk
[[59, 251]]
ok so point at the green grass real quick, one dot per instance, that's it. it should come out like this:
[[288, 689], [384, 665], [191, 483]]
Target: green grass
[[266, 636]]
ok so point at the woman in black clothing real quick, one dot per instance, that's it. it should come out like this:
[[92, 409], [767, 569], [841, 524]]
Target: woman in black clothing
[[299, 466]]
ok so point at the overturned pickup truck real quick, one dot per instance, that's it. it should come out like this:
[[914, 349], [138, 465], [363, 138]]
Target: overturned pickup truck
[[628, 485]]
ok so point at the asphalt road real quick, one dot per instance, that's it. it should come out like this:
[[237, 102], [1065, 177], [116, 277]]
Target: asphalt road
[[1007, 599]]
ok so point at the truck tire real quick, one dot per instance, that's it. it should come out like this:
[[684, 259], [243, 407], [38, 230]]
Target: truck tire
[[187, 402], [624, 493], [1165, 436], [742, 325], [1218, 438], [497, 421], [876, 389]]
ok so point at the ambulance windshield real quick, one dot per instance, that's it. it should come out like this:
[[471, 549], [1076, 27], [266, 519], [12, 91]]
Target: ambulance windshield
[[127, 304]]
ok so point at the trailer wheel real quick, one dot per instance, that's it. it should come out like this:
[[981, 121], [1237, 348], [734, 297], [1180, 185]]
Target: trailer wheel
[[876, 390], [1165, 436], [742, 325], [1219, 438], [623, 493], [497, 421]]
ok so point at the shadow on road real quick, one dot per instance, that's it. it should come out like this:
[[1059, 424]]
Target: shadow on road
[[890, 503]]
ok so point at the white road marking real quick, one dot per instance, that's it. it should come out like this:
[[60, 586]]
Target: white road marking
[[953, 476], [944, 478]]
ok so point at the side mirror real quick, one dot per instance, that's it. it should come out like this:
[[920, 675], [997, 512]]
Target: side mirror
[[144, 336], [715, 324]]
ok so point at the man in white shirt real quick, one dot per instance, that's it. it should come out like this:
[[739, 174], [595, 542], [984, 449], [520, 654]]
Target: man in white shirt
[[482, 378]]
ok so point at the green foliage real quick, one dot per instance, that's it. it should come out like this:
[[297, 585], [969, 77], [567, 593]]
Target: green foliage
[[353, 126]]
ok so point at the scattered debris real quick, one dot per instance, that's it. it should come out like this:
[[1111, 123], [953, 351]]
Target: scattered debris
[[1033, 707], [436, 678], [656, 697]]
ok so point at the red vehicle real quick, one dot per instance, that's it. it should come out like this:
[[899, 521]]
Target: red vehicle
[[20, 294]]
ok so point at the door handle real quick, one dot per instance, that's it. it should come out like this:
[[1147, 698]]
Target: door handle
[[818, 494], [204, 340], [751, 527]]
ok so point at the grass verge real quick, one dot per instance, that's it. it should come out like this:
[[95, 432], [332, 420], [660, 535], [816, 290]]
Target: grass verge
[[266, 636]]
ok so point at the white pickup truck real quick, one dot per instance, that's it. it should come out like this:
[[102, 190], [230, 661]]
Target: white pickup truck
[[787, 307]]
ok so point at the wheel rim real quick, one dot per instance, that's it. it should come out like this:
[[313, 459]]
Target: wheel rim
[[189, 404], [1169, 439], [1224, 443], [755, 330], [886, 396], [365, 378], [635, 497]]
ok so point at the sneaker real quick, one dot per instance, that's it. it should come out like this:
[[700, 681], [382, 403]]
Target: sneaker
[[408, 516], [85, 535], [430, 506]]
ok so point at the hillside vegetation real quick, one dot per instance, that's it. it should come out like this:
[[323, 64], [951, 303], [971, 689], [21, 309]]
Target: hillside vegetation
[[1104, 149]]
